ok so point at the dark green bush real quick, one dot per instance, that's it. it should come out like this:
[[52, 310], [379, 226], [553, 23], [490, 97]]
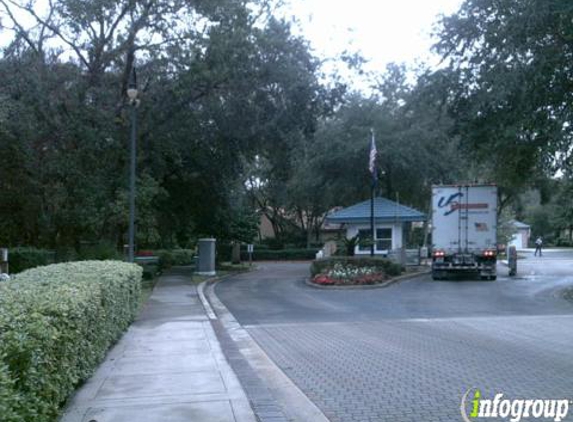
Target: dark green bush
[[224, 251], [23, 258], [264, 252], [56, 324], [150, 271], [316, 245], [65, 254], [225, 266], [274, 243], [99, 251], [171, 257], [389, 267], [280, 255], [257, 246]]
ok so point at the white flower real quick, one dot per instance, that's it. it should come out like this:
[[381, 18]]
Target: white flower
[[340, 272]]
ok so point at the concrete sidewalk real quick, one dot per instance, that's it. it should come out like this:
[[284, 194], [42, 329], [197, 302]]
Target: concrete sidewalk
[[167, 367]]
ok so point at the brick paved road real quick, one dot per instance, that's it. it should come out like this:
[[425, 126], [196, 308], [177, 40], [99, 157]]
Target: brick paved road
[[409, 352]]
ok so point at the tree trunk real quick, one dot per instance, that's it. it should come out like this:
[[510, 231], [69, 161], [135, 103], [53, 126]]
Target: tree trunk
[[236, 253], [308, 235]]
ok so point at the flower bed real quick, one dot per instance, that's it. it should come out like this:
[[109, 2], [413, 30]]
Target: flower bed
[[344, 274], [348, 271]]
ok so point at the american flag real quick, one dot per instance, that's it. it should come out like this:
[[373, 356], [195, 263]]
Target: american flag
[[481, 227], [372, 161]]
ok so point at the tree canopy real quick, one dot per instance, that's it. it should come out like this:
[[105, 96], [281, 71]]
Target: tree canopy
[[237, 119], [220, 84], [513, 83]]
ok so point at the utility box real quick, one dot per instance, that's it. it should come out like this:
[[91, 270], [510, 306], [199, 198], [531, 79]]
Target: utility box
[[206, 261]]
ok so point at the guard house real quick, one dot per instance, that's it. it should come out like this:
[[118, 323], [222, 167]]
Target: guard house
[[391, 219]]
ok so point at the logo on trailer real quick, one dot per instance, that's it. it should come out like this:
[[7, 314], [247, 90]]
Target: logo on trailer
[[453, 203], [481, 227]]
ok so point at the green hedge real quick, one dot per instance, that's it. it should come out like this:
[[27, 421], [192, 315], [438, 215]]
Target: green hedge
[[56, 324], [171, 257], [22, 258], [280, 255], [386, 265], [563, 242]]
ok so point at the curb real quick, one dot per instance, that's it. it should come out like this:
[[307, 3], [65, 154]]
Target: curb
[[206, 305], [273, 395], [367, 286], [212, 280]]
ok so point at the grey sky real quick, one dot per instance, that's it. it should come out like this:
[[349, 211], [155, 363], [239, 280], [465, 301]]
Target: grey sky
[[383, 31]]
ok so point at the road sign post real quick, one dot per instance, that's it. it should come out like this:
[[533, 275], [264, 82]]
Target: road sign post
[[250, 248]]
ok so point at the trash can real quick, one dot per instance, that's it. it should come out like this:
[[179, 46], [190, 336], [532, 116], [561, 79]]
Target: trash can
[[206, 260], [512, 260]]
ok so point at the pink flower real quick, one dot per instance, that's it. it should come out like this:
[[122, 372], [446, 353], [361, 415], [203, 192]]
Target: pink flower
[[323, 279]]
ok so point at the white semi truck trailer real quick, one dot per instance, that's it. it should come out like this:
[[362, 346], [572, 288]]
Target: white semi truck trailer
[[464, 231]]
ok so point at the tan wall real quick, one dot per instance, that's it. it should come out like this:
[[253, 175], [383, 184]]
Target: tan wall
[[266, 228]]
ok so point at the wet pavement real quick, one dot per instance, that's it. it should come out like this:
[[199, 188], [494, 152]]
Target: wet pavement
[[409, 352]]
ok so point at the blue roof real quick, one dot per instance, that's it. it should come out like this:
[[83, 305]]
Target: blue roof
[[519, 224], [384, 211]]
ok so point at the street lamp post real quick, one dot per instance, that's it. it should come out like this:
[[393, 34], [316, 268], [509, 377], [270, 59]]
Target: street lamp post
[[133, 102]]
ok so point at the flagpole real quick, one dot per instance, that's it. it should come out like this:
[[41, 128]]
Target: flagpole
[[372, 219], [372, 188]]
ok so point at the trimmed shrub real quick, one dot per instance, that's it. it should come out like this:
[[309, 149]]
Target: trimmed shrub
[[9, 399], [280, 255], [259, 246], [383, 264], [262, 252], [23, 258], [171, 257], [274, 243], [56, 324]]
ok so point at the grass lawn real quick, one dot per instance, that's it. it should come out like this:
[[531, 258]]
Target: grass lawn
[[198, 279]]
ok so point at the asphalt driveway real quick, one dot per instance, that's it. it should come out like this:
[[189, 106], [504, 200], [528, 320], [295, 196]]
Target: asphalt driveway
[[409, 352]]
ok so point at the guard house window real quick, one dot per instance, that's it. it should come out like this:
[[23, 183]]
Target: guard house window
[[383, 239], [364, 237]]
